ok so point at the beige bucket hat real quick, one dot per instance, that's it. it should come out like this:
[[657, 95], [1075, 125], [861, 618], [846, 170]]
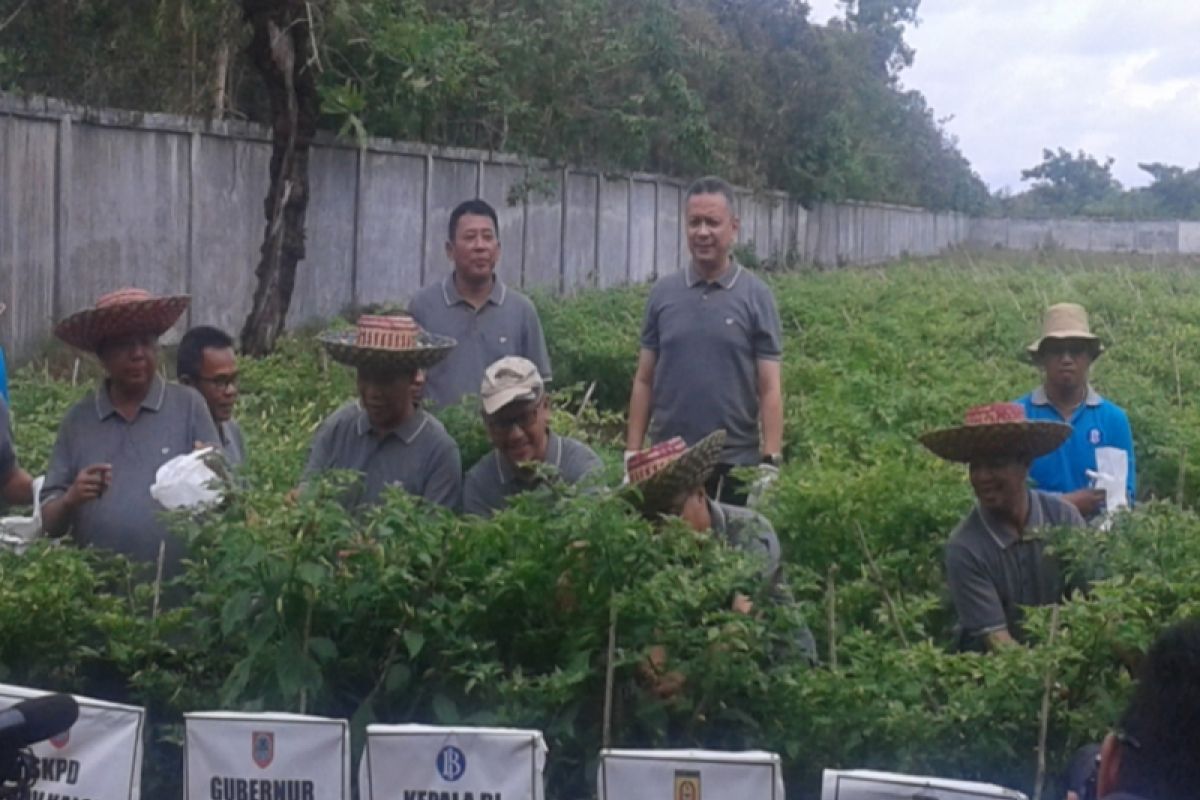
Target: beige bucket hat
[[996, 430], [510, 379], [1065, 321], [394, 342]]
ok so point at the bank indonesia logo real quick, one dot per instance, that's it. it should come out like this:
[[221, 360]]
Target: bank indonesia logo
[[451, 763], [262, 748]]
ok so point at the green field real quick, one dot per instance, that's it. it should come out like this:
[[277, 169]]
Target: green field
[[407, 615]]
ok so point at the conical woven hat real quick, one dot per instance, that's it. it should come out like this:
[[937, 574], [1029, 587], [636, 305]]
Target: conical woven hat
[[393, 343], [670, 468], [125, 312], [1065, 321], [999, 430]]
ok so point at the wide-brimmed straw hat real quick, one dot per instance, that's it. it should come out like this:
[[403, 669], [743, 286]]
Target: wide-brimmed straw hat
[[125, 312], [670, 468], [998, 430], [388, 343], [1065, 321]]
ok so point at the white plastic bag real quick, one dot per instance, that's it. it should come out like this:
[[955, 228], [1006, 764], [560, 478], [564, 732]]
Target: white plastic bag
[[16, 533], [184, 482]]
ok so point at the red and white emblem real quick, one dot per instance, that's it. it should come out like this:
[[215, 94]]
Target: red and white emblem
[[60, 741], [262, 748]]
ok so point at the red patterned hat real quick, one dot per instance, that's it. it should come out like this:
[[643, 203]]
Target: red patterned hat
[[125, 312], [669, 468], [395, 343], [996, 430]]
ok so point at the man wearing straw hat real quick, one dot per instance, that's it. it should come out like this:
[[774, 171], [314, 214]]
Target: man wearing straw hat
[[516, 412], [383, 435], [671, 478], [995, 562], [1065, 352], [111, 443]]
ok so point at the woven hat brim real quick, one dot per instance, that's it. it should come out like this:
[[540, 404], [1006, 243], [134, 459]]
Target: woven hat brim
[[1028, 439], [429, 350], [687, 472], [86, 329]]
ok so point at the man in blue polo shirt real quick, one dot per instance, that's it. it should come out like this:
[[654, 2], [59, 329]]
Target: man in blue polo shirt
[[1065, 353]]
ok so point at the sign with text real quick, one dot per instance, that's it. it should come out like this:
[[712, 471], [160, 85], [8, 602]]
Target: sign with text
[[861, 784], [99, 758], [236, 756], [424, 762], [689, 775]]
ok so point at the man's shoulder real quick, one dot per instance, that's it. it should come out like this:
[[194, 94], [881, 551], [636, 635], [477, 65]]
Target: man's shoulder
[[477, 475], [343, 415], [427, 296], [433, 428], [967, 534], [182, 397], [746, 520], [574, 448], [1056, 510]]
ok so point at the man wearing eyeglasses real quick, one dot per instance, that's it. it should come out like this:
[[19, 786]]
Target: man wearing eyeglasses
[[1065, 353], [207, 363], [516, 411]]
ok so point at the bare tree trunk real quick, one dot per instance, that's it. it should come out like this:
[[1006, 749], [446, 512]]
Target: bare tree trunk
[[219, 82], [282, 52]]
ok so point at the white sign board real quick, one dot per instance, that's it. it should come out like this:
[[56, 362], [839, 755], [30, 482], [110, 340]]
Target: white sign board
[[689, 775], [424, 762], [99, 758], [234, 756], [862, 784]]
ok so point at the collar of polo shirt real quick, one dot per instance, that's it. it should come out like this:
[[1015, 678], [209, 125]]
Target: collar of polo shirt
[[151, 402], [1038, 397], [452, 296], [726, 281], [407, 432], [1004, 535]]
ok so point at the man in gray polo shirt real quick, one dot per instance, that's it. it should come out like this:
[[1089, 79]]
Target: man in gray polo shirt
[[473, 306], [710, 350], [111, 443], [206, 362], [16, 486], [382, 435], [516, 411], [995, 559]]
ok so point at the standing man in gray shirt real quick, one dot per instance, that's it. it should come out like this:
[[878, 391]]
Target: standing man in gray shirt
[[710, 350], [206, 362], [516, 412], [112, 442], [473, 306], [382, 435], [995, 560]]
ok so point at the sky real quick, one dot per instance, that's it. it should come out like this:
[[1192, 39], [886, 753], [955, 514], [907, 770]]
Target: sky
[[1117, 78]]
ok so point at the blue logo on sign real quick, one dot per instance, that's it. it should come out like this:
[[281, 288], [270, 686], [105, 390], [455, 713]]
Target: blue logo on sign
[[1094, 436], [451, 763]]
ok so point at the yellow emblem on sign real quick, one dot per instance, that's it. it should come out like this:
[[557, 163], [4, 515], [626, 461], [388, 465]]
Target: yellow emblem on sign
[[687, 785]]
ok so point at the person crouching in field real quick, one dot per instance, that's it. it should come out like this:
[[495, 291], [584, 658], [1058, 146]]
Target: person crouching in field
[[206, 362], [516, 412], [382, 435], [1065, 353], [112, 442], [672, 480], [995, 560]]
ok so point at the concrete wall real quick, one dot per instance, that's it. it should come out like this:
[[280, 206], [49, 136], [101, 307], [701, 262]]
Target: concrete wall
[[1151, 237], [92, 200]]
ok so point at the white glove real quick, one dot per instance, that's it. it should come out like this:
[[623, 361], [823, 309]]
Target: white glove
[[625, 465], [767, 475]]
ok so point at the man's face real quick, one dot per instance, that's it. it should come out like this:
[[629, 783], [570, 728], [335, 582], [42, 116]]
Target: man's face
[[998, 482], [520, 430], [130, 361], [418, 388], [475, 248], [1065, 362], [695, 511], [711, 229], [386, 397], [217, 381]]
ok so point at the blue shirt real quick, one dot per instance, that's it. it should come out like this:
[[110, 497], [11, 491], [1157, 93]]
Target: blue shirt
[[1096, 423]]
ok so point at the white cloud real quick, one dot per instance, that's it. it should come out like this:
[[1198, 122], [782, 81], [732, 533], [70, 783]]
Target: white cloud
[[1118, 79]]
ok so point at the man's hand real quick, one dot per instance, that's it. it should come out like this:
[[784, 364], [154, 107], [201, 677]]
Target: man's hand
[[1088, 501], [664, 683], [89, 484], [742, 604]]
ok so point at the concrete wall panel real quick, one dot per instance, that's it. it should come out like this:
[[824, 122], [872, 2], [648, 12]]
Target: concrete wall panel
[[641, 232], [1189, 237], [501, 183], [579, 239], [325, 278], [390, 229], [613, 227], [669, 227], [543, 231]]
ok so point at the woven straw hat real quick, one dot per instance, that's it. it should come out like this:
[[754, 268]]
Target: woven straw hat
[[998, 430], [390, 343], [125, 312], [1065, 321], [669, 468]]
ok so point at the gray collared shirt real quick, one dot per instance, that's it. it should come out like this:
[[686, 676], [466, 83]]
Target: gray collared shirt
[[708, 339], [493, 480], [418, 457], [752, 533], [992, 571], [233, 443], [171, 421], [506, 324]]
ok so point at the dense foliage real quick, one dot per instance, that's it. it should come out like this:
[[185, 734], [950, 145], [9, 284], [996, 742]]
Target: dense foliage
[[749, 89], [407, 614]]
